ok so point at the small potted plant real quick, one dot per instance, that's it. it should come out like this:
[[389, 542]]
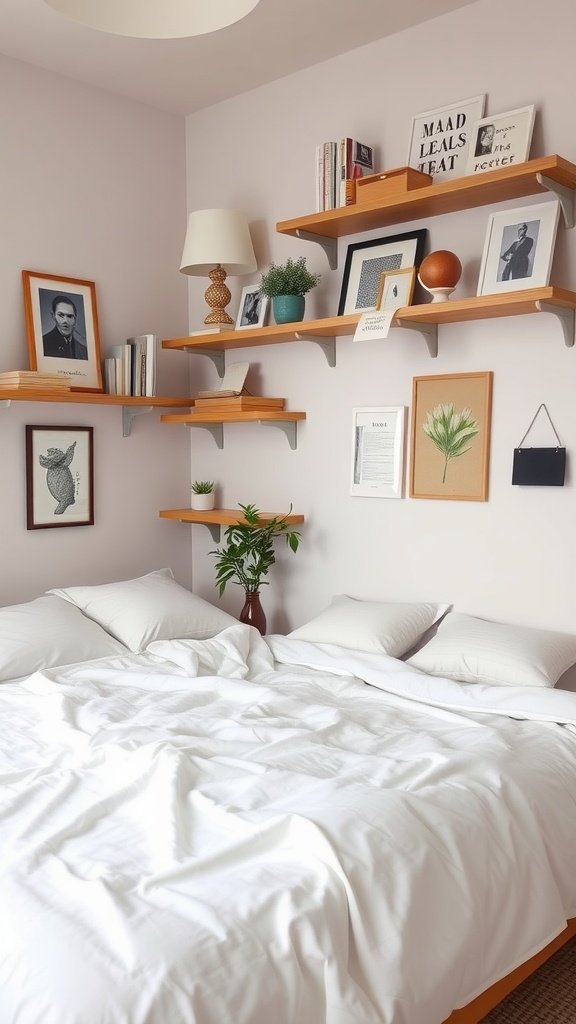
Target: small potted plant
[[202, 495], [287, 284], [248, 555]]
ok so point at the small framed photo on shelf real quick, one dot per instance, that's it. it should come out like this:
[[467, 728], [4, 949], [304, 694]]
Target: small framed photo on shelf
[[518, 248], [253, 308], [396, 288], [367, 261], [378, 452], [450, 440], [501, 140], [440, 139], [62, 328], [59, 476]]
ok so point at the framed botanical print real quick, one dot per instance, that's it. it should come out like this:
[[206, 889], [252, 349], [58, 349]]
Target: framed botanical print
[[62, 328], [59, 476], [450, 440]]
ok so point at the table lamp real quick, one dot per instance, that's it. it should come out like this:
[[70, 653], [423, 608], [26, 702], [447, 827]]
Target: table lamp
[[217, 243]]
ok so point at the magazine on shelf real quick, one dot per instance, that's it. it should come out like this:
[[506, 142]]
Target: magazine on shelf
[[232, 382]]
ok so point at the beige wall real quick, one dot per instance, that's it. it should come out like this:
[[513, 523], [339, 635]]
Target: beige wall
[[512, 557], [93, 187]]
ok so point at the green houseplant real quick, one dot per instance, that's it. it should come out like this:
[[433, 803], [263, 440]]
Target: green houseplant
[[202, 495], [287, 284], [248, 554]]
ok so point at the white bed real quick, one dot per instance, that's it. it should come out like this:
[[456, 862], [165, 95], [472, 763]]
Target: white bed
[[237, 830]]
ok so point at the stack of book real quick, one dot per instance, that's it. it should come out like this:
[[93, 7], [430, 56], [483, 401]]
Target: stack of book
[[30, 380], [131, 370], [236, 403], [338, 165]]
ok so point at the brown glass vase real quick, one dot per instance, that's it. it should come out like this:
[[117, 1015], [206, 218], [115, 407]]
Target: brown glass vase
[[253, 613]]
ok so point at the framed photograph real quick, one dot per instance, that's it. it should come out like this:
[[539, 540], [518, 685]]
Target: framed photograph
[[59, 476], [450, 441], [253, 307], [367, 261], [62, 328], [440, 139], [518, 248], [396, 288], [501, 140], [378, 452]]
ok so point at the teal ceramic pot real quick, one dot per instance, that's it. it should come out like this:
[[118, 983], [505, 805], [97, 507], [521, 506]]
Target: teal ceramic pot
[[288, 309]]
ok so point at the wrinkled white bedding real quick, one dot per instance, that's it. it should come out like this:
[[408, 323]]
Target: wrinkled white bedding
[[235, 831]]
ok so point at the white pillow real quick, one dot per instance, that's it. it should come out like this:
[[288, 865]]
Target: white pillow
[[474, 650], [152, 607], [48, 632], [377, 627]]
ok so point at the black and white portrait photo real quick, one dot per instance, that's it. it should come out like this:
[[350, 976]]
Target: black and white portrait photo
[[62, 328], [484, 140], [252, 309], [518, 251]]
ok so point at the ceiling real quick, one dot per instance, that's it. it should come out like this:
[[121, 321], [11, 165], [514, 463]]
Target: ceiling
[[276, 39]]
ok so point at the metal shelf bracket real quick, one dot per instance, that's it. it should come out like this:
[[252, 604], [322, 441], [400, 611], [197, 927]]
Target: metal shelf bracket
[[328, 345], [329, 245], [213, 529], [288, 427], [216, 429], [565, 316], [429, 332], [129, 412], [4, 403], [564, 194], [215, 354]]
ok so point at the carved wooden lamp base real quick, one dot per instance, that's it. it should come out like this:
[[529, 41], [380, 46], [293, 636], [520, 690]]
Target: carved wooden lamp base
[[218, 296]]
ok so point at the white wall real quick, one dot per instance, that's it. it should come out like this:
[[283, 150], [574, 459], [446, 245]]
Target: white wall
[[93, 187], [511, 557]]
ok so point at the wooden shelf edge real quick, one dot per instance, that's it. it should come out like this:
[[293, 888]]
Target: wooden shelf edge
[[93, 398], [222, 516], [450, 196], [248, 416]]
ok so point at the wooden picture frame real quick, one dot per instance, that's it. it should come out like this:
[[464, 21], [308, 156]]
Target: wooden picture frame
[[450, 436], [252, 309], [62, 328], [367, 261], [440, 139], [396, 288], [378, 451], [59, 476], [518, 248], [501, 140]]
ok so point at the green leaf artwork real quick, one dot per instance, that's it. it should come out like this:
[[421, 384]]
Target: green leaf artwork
[[450, 431]]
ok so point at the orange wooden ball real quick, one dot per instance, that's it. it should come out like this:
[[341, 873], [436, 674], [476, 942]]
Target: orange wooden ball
[[440, 269]]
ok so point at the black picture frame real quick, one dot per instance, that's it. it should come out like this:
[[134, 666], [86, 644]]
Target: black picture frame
[[393, 252]]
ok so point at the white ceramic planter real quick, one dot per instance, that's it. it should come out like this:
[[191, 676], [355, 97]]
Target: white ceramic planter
[[203, 502]]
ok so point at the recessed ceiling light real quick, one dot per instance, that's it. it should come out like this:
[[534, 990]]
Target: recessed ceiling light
[[151, 19]]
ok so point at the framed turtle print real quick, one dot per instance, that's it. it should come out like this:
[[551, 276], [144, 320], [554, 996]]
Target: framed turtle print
[[59, 476]]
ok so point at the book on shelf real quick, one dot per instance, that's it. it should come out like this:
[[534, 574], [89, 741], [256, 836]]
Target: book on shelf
[[232, 382], [337, 165], [131, 368], [212, 330], [238, 403], [31, 380]]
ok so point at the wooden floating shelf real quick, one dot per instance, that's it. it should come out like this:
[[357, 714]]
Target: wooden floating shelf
[[132, 406], [451, 196], [213, 421], [424, 317], [218, 517]]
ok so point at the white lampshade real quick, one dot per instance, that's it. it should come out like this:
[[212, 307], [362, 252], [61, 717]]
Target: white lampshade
[[152, 19], [217, 236]]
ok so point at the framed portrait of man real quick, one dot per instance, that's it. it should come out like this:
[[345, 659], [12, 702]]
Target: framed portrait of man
[[62, 328]]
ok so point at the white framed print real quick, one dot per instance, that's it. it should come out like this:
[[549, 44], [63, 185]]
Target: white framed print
[[378, 451], [253, 307], [518, 248], [440, 139], [501, 140]]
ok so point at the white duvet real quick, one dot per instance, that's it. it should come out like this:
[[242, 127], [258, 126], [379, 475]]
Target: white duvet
[[240, 831]]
